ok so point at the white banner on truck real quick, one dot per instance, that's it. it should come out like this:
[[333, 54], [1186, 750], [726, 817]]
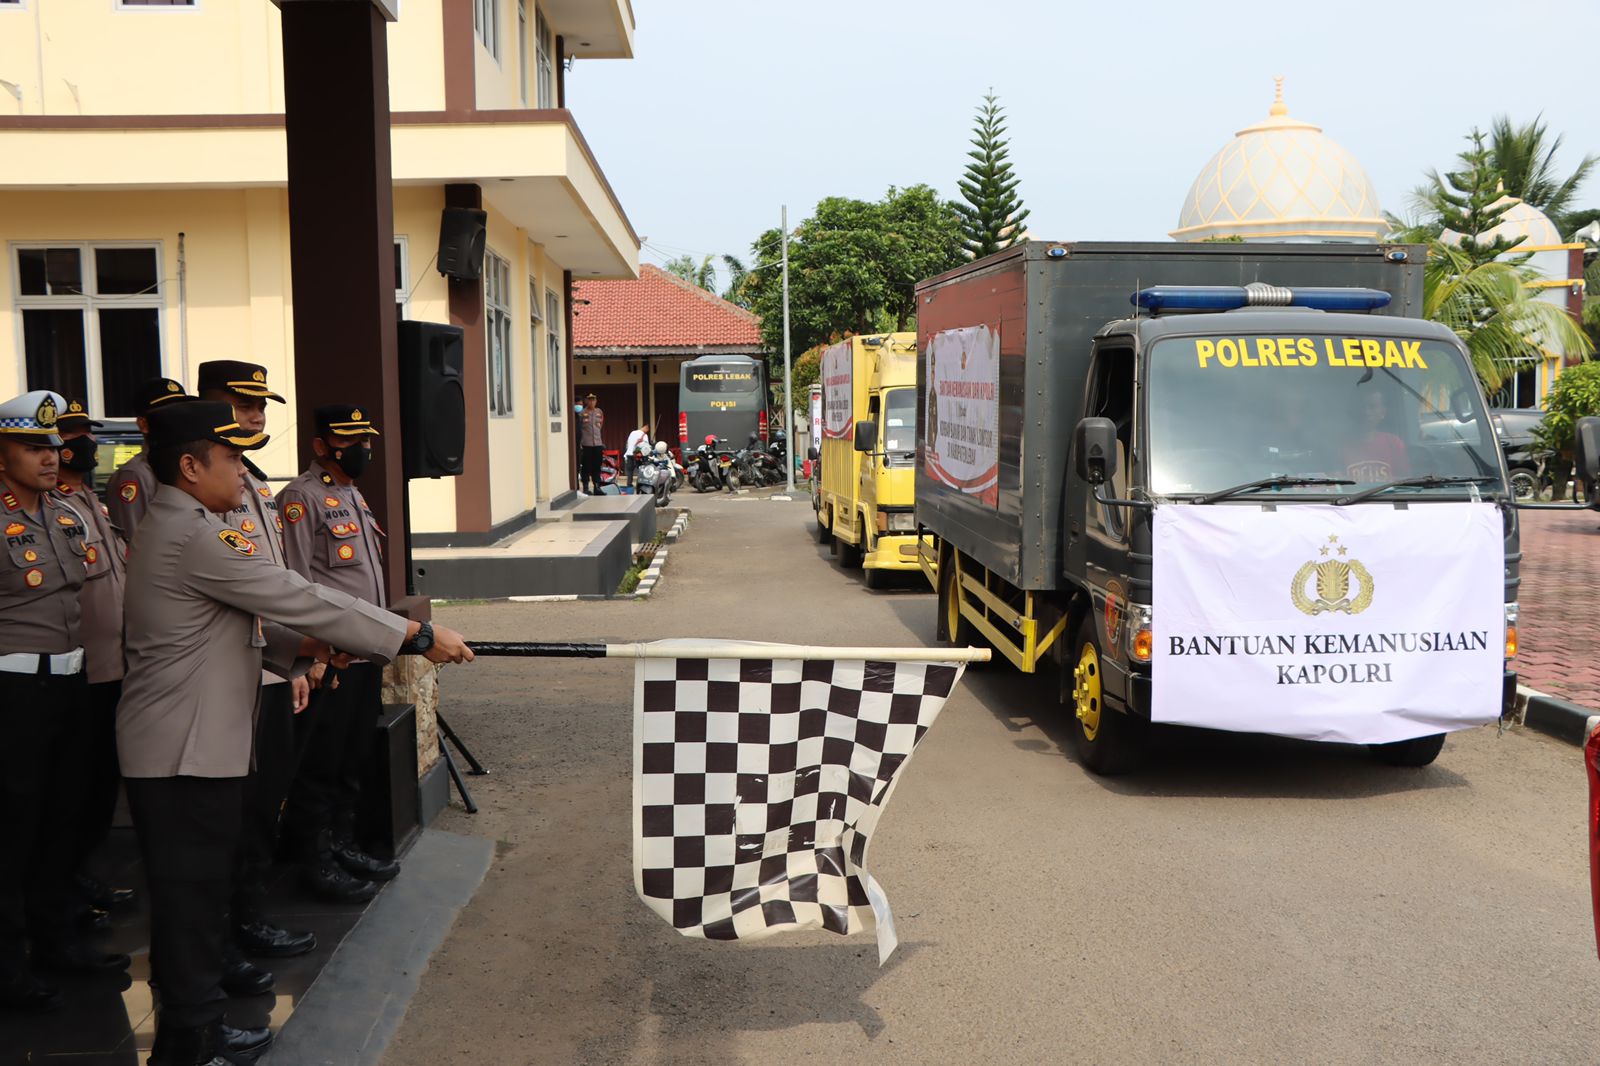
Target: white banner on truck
[[961, 433], [1365, 624], [816, 419], [838, 415]]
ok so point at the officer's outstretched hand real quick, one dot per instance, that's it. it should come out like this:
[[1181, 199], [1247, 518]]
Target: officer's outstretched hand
[[448, 647]]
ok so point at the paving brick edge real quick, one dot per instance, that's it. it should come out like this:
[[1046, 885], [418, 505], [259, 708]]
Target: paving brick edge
[[652, 573], [1553, 716]]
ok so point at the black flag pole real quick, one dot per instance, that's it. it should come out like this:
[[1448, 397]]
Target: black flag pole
[[718, 649]]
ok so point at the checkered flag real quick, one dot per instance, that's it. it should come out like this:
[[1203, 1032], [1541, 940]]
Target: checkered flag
[[758, 783]]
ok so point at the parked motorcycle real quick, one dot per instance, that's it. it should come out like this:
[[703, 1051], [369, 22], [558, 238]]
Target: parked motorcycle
[[652, 474], [705, 466]]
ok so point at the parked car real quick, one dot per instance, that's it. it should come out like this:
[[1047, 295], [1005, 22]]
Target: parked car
[[1527, 461]]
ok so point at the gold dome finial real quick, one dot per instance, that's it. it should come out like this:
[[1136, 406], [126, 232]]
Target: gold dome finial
[[1278, 106]]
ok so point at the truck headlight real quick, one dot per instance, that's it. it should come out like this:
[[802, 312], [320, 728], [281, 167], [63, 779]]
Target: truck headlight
[[1141, 632], [902, 523], [1511, 631]]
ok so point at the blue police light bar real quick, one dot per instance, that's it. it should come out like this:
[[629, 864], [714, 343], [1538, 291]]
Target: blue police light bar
[[1159, 298]]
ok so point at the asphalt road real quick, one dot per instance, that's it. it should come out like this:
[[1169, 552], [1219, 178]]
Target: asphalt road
[[1243, 900]]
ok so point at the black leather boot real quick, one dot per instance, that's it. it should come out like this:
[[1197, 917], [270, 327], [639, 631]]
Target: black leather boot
[[241, 1042], [262, 938], [240, 977], [363, 865], [331, 881], [175, 1046]]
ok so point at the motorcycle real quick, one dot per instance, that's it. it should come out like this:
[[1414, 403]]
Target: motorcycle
[[763, 468], [705, 466], [652, 474]]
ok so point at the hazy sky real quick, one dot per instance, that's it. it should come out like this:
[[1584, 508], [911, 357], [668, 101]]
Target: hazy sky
[[733, 107]]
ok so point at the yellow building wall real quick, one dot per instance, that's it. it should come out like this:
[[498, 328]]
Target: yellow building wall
[[416, 218], [90, 57]]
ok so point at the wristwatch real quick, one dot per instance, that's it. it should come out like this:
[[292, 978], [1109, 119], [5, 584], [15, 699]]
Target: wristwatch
[[423, 640]]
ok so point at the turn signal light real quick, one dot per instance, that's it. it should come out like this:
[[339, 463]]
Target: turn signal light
[[1511, 642], [883, 522], [1143, 644]]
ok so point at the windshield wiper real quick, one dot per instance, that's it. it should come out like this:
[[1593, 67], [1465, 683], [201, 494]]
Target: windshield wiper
[[1280, 481], [1423, 481]]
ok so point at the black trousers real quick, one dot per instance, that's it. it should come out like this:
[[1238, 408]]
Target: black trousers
[[335, 739], [590, 458], [188, 829], [98, 738], [42, 771], [265, 791]]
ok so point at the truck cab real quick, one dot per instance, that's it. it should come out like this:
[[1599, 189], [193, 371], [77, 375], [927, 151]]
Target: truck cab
[[866, 495]]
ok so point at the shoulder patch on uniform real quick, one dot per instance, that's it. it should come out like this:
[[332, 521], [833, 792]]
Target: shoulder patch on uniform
[[293, 512], [14, 528], [237, 541], [129, 491], [65, 490]]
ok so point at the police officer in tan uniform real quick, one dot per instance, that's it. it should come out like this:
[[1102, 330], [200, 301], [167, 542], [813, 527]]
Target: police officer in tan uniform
[[105, 561], [43, 700], [205, 609], [244, 387], [330, 536], [130, 489]]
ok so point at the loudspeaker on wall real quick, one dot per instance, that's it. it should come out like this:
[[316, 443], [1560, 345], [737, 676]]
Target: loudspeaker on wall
[[462, 233]]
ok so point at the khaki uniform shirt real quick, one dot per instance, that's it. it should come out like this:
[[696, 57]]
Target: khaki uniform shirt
[[590, 424], [128, 495], [198, 591], [105, 559], [330, 535], [257, 518], [40, 576]]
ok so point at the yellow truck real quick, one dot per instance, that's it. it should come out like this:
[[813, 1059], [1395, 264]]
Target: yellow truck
[[865, 501]]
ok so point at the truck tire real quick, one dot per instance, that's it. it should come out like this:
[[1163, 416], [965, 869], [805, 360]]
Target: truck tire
[[958, 630], [824, 534], [1109, 742], [1418, 751], [850, 555], [874, 578]]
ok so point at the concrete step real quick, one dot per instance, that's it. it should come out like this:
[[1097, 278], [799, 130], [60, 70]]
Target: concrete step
[[549, 558]]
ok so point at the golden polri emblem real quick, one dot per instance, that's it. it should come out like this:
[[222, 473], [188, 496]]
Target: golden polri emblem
[[46, 415], [1334, 576]]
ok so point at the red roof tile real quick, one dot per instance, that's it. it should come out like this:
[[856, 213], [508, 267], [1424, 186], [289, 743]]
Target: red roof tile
[[659, 310]]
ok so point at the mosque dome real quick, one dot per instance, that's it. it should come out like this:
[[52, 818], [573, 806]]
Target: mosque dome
[[1521, 219], [1282, 180]]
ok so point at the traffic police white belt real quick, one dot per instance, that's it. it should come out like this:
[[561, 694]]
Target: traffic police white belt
[[27, 662]]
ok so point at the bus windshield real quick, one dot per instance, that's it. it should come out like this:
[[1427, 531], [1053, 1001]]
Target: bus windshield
[[1367, 409]]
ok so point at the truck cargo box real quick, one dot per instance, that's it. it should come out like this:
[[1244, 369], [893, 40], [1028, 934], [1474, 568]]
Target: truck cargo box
[[1012, 335]]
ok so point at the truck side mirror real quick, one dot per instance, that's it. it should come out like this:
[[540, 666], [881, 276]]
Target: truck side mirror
[[866, 436], [1586, 450], [1095, 448]]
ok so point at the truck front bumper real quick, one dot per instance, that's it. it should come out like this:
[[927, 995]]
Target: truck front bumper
[[897, 551]]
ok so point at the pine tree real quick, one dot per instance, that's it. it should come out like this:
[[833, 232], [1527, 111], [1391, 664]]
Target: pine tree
[[1466, 201], [992, 217]]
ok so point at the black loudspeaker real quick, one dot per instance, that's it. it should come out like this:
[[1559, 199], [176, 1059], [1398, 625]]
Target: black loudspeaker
[[462, 232], [433, 399]]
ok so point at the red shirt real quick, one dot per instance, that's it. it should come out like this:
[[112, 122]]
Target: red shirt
[[1381, 457]]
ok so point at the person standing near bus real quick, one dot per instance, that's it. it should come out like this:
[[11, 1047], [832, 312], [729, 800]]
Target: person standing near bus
[[638, 441], [591, 445]]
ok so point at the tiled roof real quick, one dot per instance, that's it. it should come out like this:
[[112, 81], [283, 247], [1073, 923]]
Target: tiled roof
[[659, 310]]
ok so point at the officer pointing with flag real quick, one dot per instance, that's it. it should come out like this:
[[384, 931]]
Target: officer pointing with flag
[[205, 609]]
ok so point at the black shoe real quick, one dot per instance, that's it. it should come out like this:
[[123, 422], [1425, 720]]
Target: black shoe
[[243, 978], [94, 920], [78, 958], [265, 939], [361, 864], [188, 1047], [330, 881], [233, 1041], [29, 995], [102, 895]]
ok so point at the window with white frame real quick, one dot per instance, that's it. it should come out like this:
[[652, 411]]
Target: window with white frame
[[91, 320], [486, 20], [497, 322], [545, 42], [552, 340]]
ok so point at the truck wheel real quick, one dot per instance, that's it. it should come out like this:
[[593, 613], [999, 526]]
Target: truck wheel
[[1418, 751], [850, 555], [824, 534], [958, 630], [1109, 742], [874, 578], [1524, 482]]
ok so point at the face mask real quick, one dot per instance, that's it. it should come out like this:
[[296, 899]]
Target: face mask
[[79, 456], [352, 460]]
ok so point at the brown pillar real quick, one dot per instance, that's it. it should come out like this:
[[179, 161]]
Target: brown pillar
[[460, 59], [466, 310], [566, 357], [561, 71], [341, 238]]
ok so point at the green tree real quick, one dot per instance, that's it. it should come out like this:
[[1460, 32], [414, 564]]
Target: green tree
[[852, 267], [1575, 395], [702, 273], [992, 216], [1490, 307], [738, 278], [1525, 156], [1467, 201]]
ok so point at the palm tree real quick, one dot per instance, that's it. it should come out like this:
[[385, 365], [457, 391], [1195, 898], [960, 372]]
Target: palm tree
[[738, 276], [1490, 307], [702, 274], [1525, 157]]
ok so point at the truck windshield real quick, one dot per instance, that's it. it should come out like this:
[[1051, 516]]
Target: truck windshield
[[1367, 409], [900, 423]]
